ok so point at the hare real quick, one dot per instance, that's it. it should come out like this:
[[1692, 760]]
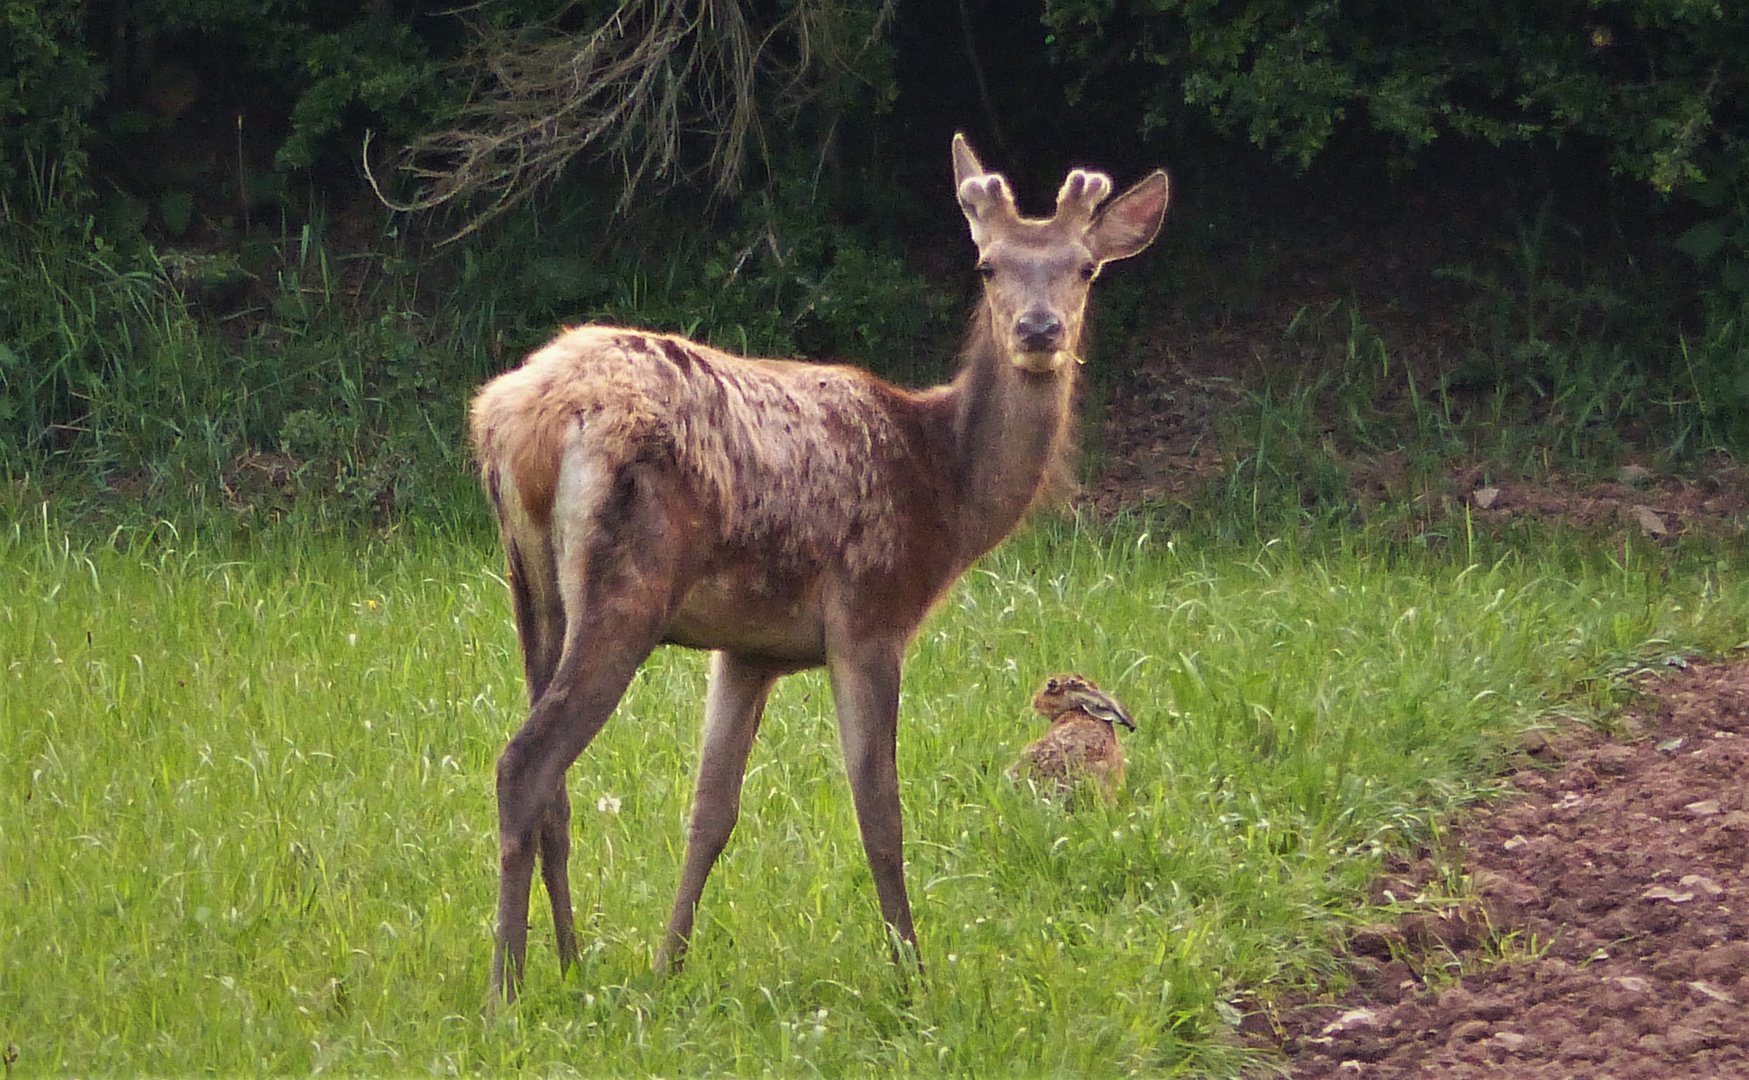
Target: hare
[[1081, 743]]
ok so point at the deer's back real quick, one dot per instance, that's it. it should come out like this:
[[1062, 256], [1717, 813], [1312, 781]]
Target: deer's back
[[802, 461]]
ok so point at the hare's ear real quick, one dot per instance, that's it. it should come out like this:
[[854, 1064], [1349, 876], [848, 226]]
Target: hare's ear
[[1102, 706], [1129, 223]]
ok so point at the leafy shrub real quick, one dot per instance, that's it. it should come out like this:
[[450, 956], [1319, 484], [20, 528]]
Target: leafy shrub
[[1651, 78], [50, 85], [379, 65], [783, 276]]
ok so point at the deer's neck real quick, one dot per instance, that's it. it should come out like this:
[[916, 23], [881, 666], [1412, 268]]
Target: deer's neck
[[1011, 427]]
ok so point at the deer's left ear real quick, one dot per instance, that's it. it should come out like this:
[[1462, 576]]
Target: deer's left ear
[[1129, 223]]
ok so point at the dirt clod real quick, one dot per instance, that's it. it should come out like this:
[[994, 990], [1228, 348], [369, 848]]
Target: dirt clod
[[1612, 936]]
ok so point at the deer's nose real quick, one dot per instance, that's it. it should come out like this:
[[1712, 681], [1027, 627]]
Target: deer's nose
[[1039, 331]]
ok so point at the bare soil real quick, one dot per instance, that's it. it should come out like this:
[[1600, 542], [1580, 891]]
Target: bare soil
[[1605, 930]]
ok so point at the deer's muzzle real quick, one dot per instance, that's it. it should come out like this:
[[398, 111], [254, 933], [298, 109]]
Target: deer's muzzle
[[1039, 331]]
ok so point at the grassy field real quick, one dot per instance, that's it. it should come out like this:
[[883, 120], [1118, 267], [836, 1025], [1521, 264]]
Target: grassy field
[[247, 824]]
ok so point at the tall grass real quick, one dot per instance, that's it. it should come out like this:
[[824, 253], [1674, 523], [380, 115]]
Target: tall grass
[[249, 823], [224, 381], [275, 376]]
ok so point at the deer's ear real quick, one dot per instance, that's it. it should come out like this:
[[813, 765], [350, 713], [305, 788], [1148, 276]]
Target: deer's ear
[[965, 163], [1129, 223]]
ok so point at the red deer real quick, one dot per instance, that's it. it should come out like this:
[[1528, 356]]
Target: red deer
[[784, 515]]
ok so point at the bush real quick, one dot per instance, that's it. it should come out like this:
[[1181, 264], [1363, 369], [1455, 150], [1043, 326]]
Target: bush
[[52, 82], [782, 275], [1654, 80]]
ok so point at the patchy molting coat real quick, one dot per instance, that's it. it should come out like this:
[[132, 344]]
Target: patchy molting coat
[[790, 473]]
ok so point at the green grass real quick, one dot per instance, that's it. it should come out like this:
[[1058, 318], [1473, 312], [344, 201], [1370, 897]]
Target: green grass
[[248, 825]]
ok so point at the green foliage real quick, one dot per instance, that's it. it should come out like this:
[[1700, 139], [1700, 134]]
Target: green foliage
[[784, 275], [193, 331], [313, 66], [1652, 79], [786, 280], [75, 313], [330, 405], [50, 82], [1707, 396], [1560, 350], [1551, 336], [1340, 434], [381, 66]]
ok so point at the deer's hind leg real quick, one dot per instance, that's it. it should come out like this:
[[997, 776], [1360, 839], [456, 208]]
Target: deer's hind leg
[[555, 860], [533, 809], [618, 560], [540, 627]]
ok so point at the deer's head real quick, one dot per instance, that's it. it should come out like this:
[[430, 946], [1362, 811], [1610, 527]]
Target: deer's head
[[1037, 270]]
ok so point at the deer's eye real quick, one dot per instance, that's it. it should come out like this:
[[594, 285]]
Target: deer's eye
[[1088, 270], [986, 270]]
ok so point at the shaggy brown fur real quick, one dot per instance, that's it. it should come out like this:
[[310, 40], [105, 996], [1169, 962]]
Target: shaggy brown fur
[[1081, 743], [784, 515], [778, 452]]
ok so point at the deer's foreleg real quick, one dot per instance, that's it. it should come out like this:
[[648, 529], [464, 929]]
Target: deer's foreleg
[[865, 689], [736, 700]]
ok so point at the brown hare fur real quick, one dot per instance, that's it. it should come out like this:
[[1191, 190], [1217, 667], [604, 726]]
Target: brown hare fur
[[1081, 743]]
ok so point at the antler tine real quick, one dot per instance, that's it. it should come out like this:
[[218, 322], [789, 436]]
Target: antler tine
[[983, 195], [1081, 194], [988, 195], [988, 203]]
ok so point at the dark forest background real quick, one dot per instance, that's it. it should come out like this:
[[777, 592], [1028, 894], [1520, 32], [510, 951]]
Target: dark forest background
[[255, 257]]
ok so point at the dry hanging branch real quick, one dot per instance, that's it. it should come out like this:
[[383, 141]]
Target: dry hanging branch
[[651, 74]]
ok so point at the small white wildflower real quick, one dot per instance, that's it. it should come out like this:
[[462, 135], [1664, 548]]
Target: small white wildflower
[[352, 640], [608, 804], [953, 958]]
